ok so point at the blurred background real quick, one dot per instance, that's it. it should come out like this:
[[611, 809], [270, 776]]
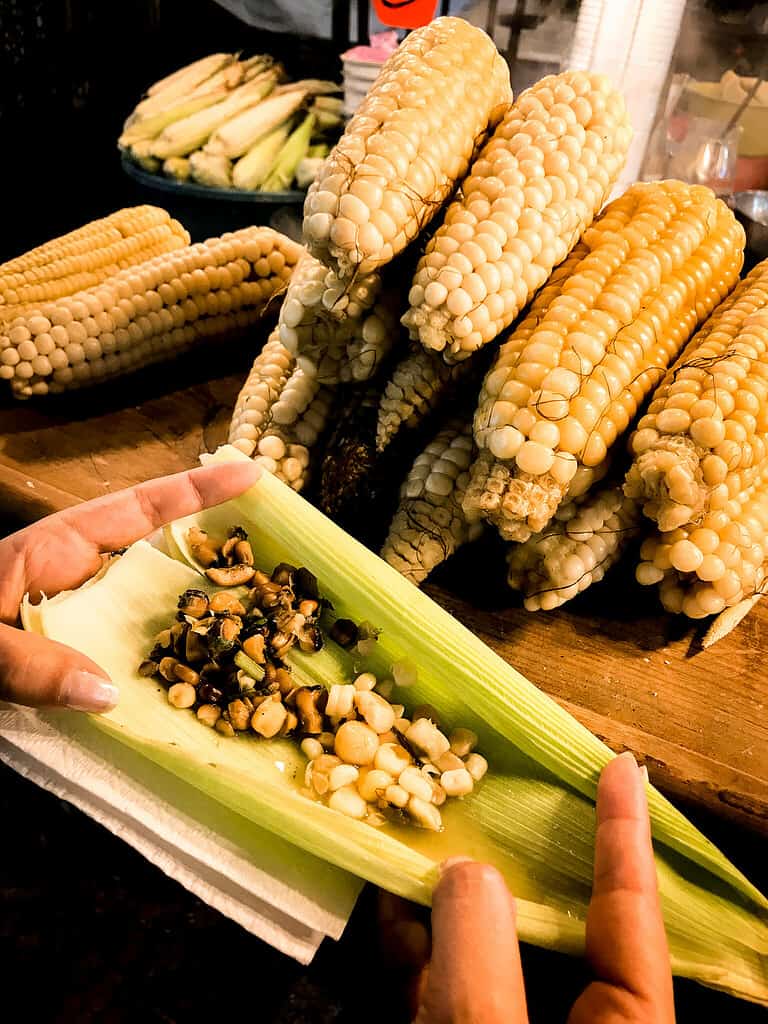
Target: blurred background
[[72, 70]]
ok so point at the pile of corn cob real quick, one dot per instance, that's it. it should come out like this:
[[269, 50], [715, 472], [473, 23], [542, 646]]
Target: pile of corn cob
[[230, 123], [127, 291], [611, 296]]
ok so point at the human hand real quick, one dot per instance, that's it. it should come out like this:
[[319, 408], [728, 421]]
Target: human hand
[[475, 976], [62, 551]]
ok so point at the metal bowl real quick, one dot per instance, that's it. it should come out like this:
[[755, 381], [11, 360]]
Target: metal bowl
[[752, 210]]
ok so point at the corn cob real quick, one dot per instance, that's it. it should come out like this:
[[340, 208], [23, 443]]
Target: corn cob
[[337, 333], [237, 135], [705, 434], [410, 141], [87, 256], [147, 313], [529, 196], [177, 167], [251, 170], [157, 112], [429, 525], [613, 316], [210, 169], [418, 385], [191, 76], [280, 413], [701, 461], [265, 382], [188, 134], [586, 537]]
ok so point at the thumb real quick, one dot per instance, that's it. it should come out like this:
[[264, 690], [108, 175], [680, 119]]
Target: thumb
[[44, 673]]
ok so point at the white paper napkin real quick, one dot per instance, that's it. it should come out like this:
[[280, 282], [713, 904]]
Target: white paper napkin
[[247, 874]]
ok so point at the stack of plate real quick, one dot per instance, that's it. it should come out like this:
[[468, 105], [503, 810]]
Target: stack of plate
[[359, 76]]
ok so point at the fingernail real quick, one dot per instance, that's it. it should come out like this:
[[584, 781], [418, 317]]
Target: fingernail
[[83, 691], [452, 862], [644, 772], [627, 755]]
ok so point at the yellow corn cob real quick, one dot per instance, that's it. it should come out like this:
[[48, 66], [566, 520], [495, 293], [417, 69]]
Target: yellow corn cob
[[148, 312], [429, 524], [86, 257], [141, 153], [415, 388], [586, 537], [279, 414], [701, 461], [529, 196], [613, 316], [410, 141], [705, 435]]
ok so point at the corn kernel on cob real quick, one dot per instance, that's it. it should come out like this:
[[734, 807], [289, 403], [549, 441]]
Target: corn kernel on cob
[[529, 196], [266, 379], [279, 414], [419, 383], [429, 525], [147, 313], [705, 435], [410, 141], [337, 333], [700, 464], [87, 256], [586, 537], [569, 379]]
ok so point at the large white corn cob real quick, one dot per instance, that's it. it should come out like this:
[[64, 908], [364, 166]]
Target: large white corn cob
[[529, 196], [148, 312], [410, 141], [700, 465], [429, 524], [569, 379], [586, 537]]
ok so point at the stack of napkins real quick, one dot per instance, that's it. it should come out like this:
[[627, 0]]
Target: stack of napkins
[[253, 877]]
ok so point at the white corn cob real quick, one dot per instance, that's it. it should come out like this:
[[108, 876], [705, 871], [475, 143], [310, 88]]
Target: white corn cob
[[279, 414], [415, 388], [529, 196], [410, 141], [429, 524], [585, 538]]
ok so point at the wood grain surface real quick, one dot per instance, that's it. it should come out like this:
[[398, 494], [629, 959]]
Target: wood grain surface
[[634, 676]]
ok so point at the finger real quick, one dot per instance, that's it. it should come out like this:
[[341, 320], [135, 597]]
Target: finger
[[63, 550], [475, 972], [626, 941], [119, 519], [44, 673]]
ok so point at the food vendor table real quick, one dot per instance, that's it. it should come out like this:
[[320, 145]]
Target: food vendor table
[[635, 677]]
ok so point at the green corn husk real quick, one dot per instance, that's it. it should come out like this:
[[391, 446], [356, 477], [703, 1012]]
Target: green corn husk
[[190, 133], [250, 170], [236, 136], [180, 84], [533, 814], [293, 152]]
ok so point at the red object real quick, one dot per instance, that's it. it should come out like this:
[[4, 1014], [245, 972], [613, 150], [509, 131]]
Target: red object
[[405, 13]]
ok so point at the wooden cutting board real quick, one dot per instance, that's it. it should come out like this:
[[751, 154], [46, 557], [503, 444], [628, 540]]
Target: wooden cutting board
[[634, 676]]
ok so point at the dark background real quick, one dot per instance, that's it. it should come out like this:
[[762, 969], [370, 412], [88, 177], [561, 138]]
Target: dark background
[[89, 931]]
